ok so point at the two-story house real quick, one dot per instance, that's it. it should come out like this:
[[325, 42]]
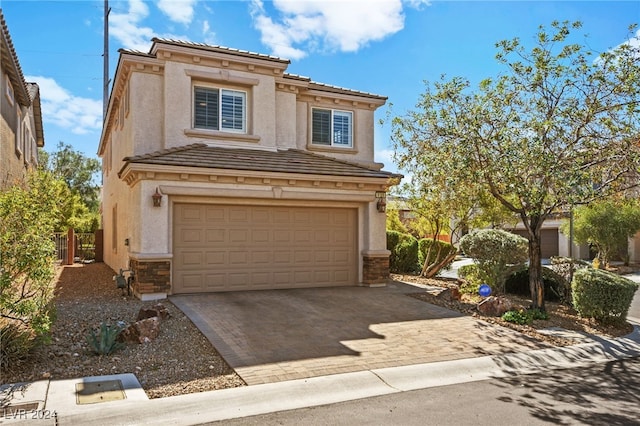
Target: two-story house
[[223, 172], [21, 131]]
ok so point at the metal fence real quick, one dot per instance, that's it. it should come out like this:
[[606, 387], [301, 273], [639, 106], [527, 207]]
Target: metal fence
[[61, 241], [84, 246]]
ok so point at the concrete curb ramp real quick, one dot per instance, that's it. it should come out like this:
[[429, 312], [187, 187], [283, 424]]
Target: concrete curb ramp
[[267, 398]]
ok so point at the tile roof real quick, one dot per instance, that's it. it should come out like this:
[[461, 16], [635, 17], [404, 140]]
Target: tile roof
[[217, 48], [9, 56], [329, 87], [280, 161]]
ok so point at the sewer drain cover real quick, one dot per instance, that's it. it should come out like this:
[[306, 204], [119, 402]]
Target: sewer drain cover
[[94, 392]]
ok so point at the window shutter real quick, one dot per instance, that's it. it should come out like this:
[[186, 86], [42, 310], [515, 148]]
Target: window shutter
[[206, 108], [321, 127], [342, 128], [232, 110]]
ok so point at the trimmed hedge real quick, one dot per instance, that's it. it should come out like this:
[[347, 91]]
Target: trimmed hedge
[[566, 267], [404, 252], [496, 252], [602, 295], [446, 249]]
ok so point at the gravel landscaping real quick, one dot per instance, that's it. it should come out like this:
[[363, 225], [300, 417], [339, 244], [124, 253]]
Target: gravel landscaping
[[180, 361], [560, 316]]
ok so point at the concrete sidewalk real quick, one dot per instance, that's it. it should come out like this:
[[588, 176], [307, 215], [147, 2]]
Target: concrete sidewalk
[[267, 398]]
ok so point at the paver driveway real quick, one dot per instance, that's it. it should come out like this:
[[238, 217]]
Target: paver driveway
[[275, 335]]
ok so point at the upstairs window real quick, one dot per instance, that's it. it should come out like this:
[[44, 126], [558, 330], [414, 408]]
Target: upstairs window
[[219, 109], [332, 128]]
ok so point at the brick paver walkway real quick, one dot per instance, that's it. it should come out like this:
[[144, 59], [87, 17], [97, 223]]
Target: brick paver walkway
[[276, 335]]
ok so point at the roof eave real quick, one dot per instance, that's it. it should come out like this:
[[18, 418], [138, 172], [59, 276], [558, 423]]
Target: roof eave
[[150, 171]]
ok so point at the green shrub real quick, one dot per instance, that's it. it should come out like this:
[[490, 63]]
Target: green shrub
[[554, 284], [404, 252], [438, 251], [566, 267], [602, 295], [538, 314], [470, 275], [104, 341], [517, 317], [16, 340], [523, 317], [496, 252], [29, 213]]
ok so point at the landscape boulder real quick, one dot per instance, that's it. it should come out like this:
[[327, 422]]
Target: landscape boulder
[[157, 310], [449, 294], [142, 331], [494, 306]]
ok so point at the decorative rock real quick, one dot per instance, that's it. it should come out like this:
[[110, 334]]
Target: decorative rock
[[157, 310], [448, 294], [142, 331], [494, 306]]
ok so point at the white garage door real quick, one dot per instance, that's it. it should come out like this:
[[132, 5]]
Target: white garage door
[[228, 248]]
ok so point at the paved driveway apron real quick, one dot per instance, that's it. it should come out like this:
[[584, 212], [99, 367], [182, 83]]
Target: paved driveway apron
[[276, 335]]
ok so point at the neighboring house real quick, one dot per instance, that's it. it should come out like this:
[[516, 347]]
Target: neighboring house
[[552, 241], [223, 172], [21, 131]]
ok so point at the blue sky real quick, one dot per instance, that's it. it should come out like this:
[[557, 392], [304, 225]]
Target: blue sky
[[387, 47]]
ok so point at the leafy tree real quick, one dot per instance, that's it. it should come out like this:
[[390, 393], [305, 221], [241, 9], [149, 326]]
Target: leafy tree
[[607, 224], [28, 217], [81, 207], [559, 127], [77, 170], [393, 220], [433, 255]]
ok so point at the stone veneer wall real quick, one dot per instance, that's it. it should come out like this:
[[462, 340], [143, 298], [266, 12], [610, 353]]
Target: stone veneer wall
[[375, 269], [151, 276]]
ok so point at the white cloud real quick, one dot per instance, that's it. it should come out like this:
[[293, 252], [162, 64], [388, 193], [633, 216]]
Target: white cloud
[[59, 107], [208, 35], [180, 11], [417, 4], [127, 28], [334, 25], [124, 27]]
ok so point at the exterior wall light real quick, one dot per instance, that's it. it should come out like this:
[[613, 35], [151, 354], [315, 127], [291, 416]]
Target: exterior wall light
[[157, 198], [381, 205]]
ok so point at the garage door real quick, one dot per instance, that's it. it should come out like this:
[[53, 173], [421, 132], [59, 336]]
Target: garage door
[[548, 241], [230, 247]]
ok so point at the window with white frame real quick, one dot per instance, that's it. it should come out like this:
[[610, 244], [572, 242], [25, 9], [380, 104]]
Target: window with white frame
[[331, 127], [219, 109]]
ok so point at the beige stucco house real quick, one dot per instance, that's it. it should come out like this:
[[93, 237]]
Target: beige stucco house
[[21, 131], [223, 172]]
